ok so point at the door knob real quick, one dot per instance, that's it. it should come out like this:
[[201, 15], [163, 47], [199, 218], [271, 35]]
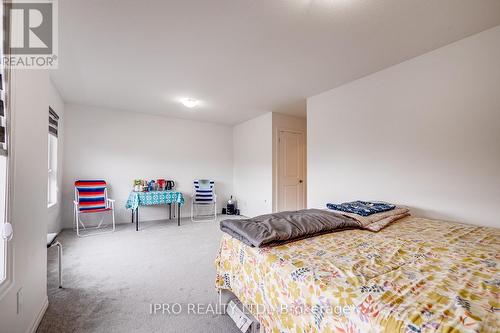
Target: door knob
[[7, 231], [301, 181]]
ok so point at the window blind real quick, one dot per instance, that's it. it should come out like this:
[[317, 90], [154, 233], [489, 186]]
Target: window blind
[[3, 111], [53, 122], [4, 51]]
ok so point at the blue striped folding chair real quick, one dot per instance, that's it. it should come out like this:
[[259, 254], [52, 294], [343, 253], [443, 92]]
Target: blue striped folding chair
[[91, 196], [204, 196]]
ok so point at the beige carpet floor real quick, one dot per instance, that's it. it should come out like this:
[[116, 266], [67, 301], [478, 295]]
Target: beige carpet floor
[[110, 281]]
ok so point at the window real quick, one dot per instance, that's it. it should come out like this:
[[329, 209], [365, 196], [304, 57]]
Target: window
[[52, 189], [53, 131]]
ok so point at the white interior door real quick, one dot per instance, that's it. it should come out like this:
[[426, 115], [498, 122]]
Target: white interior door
[[291, 173]]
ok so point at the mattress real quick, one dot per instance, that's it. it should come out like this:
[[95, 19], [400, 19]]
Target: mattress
[[416, 275]]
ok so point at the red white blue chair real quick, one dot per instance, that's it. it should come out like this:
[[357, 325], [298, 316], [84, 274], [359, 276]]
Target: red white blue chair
[[204, 196], [91, 196]]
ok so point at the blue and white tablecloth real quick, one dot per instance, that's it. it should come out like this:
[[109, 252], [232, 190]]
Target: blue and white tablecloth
[[136, 199]]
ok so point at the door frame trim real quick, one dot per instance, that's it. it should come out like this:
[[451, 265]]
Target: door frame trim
[[276, 155], [7, 284]]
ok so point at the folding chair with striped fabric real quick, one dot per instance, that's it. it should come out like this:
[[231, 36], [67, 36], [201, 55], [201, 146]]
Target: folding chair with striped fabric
[[204, 196], [91, 196]]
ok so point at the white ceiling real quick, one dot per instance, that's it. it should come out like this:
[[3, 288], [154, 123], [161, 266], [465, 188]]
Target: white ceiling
[[243, 57]]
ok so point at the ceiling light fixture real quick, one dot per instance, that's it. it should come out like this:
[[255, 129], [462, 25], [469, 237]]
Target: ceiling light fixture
[[189, 102]]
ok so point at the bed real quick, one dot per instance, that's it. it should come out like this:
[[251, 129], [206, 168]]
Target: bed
[[416, 275]]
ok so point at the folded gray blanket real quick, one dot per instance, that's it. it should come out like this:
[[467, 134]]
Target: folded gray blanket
[[279, 228]]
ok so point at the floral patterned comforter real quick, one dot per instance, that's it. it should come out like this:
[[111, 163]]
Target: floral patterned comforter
[[417, 275]]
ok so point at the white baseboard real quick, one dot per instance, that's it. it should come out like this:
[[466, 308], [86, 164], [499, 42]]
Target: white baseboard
[[39, 317]]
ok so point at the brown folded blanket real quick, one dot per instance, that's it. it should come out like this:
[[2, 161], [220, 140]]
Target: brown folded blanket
[[381, 224], [378, 221], [279, 228]]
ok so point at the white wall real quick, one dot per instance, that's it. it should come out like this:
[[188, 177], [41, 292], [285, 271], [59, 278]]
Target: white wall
[[55, 211], [424, 133], [121, 146], [285, 122], [252, 165], [29, 102]]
